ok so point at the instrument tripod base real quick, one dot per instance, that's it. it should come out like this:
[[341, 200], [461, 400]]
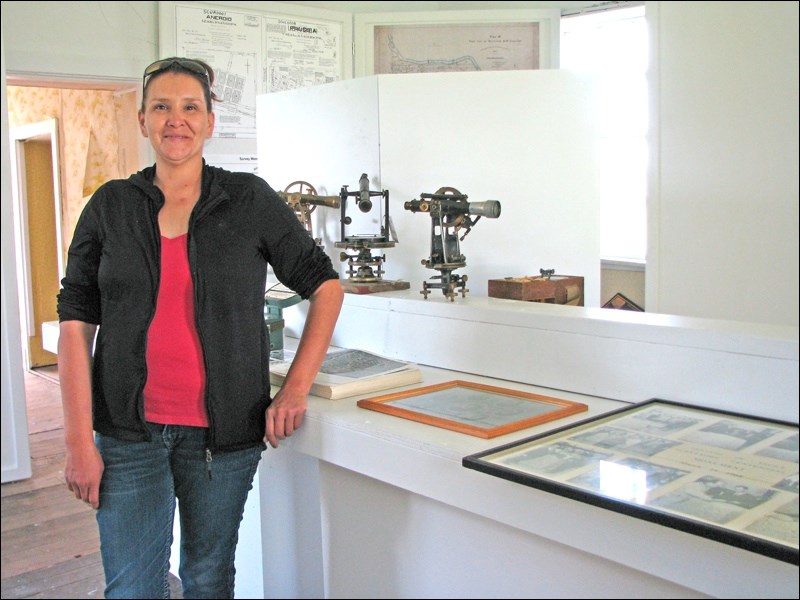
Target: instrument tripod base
[[450, 285]]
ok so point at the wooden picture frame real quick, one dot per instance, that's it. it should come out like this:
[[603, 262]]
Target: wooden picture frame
[[476, 409], [725, 476]]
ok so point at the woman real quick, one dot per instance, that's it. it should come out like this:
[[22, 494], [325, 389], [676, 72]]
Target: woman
[[173, 401]]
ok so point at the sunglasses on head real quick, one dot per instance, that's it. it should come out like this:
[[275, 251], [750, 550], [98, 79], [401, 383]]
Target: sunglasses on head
[[184, 63]]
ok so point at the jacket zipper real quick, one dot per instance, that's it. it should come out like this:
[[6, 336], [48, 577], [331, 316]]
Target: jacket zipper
[[157, 237], [193, 270]]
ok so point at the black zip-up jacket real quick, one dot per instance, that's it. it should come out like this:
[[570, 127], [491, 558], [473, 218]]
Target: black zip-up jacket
[[238, 226]]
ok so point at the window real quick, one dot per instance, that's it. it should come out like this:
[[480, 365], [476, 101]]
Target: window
[[613, 45]]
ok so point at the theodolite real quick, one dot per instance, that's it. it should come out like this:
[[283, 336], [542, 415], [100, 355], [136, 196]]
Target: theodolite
[[450, 214], [365, 269]]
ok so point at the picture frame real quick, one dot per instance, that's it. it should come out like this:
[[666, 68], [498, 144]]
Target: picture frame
[[721, 475], [477, 409], [465, 40], [620, 301]]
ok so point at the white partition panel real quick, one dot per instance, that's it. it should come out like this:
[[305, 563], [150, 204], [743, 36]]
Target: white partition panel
[[525, 138]]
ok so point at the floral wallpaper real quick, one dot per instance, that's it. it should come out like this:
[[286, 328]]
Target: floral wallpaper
[[93, 138]]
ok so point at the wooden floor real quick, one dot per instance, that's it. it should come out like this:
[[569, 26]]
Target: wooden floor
[[50, 545]]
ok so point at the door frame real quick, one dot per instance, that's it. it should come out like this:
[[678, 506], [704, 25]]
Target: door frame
[[42, 131]]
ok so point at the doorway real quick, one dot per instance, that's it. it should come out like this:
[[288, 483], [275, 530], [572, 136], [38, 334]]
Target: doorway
[[36, 192], [91, 128]]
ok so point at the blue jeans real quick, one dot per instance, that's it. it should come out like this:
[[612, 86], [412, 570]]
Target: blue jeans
[[140, 485]]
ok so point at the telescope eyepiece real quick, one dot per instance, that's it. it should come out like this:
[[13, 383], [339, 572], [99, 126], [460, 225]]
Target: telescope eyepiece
[[417, 205]]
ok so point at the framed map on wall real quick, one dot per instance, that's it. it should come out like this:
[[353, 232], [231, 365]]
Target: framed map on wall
[[450, 41]]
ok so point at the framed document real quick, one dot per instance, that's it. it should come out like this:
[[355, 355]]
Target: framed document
[[721, 475], [476, 409], [448, 41]]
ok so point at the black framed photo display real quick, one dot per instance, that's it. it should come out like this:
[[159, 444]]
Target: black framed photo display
[[721, 475]]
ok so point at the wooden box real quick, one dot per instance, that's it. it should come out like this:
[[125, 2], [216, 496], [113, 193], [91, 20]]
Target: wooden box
[[555, 289]]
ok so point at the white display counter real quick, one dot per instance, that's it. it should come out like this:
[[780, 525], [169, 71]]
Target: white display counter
[[360, 504], [364, 504], [742, 367]]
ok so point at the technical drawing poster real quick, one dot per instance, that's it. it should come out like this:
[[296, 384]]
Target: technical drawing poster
[[232, 43], [254, 54], [300, 53]]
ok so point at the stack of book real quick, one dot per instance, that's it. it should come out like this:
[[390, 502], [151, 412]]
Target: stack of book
[[346, 373]]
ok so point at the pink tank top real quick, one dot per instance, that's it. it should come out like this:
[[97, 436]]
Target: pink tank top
[[175, 389]]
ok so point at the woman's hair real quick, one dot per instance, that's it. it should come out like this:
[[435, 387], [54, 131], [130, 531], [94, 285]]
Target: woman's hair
[[198, 69]]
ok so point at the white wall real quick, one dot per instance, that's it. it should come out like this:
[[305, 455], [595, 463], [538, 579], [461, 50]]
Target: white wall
[[724, 181], [16, 462], [85, 40]]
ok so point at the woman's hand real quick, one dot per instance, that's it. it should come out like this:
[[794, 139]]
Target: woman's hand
[[285, 415], [83, 471]]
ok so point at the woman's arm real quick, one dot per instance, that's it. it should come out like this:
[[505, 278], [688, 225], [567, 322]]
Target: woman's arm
[[285, 414], [84, 467]]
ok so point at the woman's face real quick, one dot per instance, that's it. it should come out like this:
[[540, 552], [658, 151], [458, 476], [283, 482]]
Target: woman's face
[[175, 118]]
